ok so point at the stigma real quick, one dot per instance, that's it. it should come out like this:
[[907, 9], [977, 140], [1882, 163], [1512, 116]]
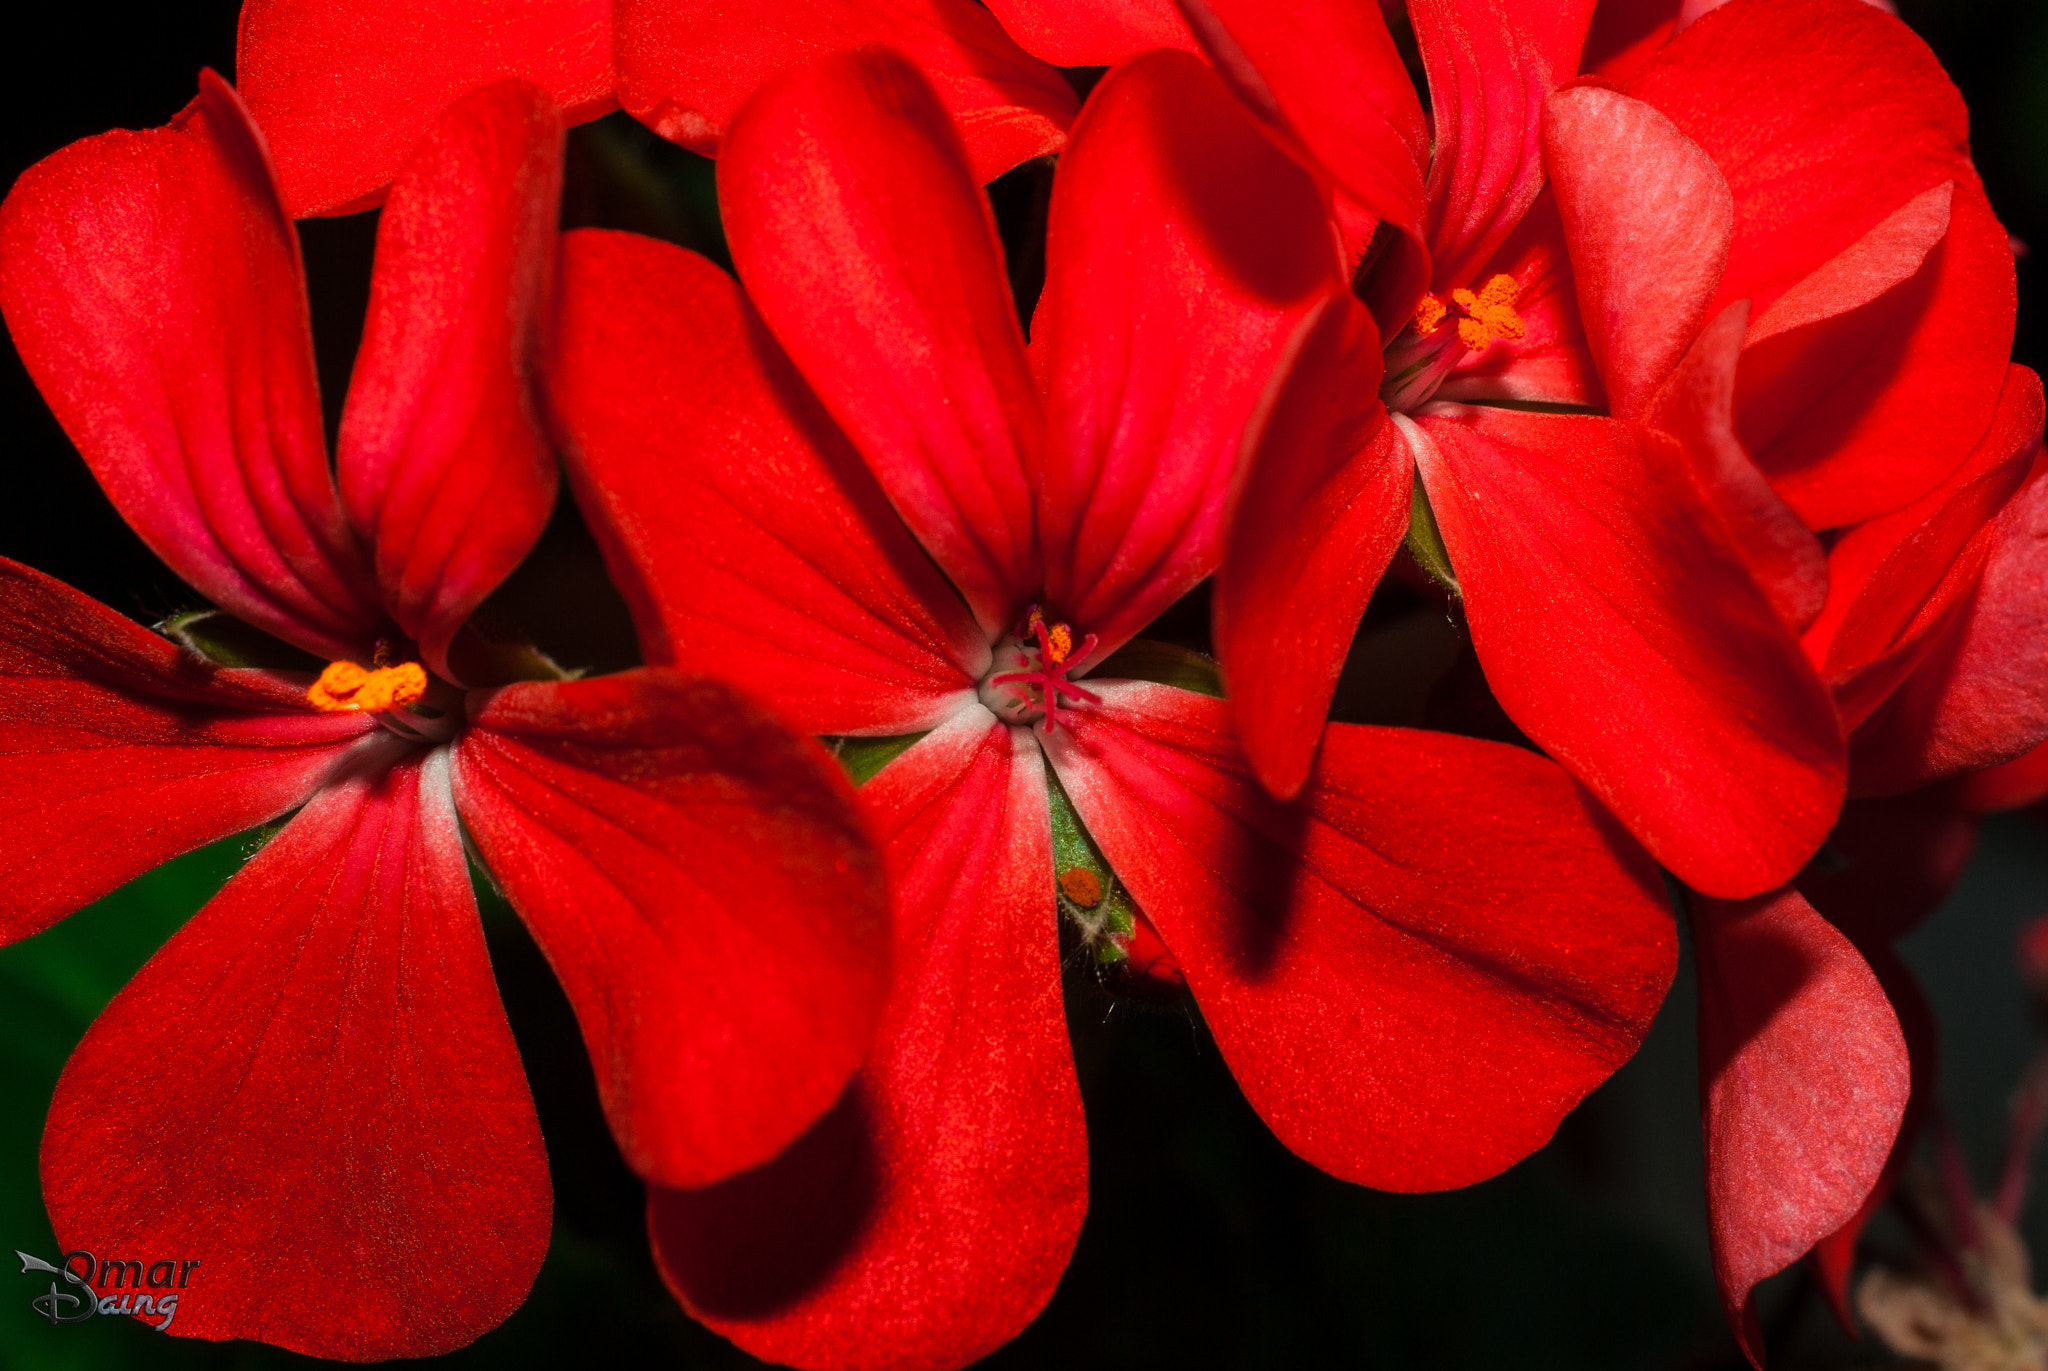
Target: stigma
[[346, 688], [1049, 652]]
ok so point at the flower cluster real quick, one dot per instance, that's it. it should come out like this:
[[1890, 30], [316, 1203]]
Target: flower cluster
[[1680, 381]]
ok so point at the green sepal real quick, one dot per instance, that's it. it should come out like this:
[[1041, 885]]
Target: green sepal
[[863, 757], [1147, 659], [1116, 915], [222, 638], [1426, 540]]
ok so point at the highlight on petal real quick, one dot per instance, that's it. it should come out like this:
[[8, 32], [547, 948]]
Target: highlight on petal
[[1417, 968], [1325, 77], [151, 282], [927, 1219], [1183, 252], [871, 252], [119, 751], [1491, 66], [743, 529], [344, 90], [1648, 217], [706, 894], [1094, 33], [1325, 485], [1978, 698], [1804, 1078], [331, 1087], [1621, 631], [1696, 405], [443, 465], [686, 69]]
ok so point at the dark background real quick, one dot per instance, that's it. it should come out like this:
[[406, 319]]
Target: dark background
[[1207, 1243]]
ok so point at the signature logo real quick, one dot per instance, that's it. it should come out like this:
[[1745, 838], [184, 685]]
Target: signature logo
[[150, 1295]]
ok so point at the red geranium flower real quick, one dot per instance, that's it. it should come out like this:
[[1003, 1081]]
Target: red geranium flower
[[1860, 298], [315, 1074], [1413, 969], [1854, 373], [343, 88], [1615, 619]]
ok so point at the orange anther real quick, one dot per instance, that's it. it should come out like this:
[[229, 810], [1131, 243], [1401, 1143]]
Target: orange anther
[[345, 687], [1059, 642], [1429, 314], [1082, 886], [1495, 307], [1489, 312]]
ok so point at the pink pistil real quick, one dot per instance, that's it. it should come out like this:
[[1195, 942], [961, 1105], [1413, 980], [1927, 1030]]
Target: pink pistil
[[1049, 678]]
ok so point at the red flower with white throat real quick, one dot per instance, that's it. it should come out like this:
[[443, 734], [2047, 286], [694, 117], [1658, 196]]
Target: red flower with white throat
[[871, 505], [332, 1084]]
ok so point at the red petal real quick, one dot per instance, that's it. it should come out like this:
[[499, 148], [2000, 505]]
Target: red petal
[[1183, 252], [315, 1076], [1325, 76], [443, 464], [118, 751], [2015, 785], [1491, 63], [704, 891], [1648, 218], [746, 534], [1834, 1256], [1803, 1080], [1620, 630], [1813, 164], [152, 284], [344, 91], [1416, 969], [1324, 505], [871, 252], [1978, 699], [1888, 864], [1696, 405], [1625, 34], [1094, 33], [685, 70], [1858, 417], [926, 1221], [1894, 579], [1868, 408]]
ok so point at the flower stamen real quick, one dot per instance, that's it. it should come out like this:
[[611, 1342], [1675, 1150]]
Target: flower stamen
[[1056, 655], [1483, 315], [345, 687]]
